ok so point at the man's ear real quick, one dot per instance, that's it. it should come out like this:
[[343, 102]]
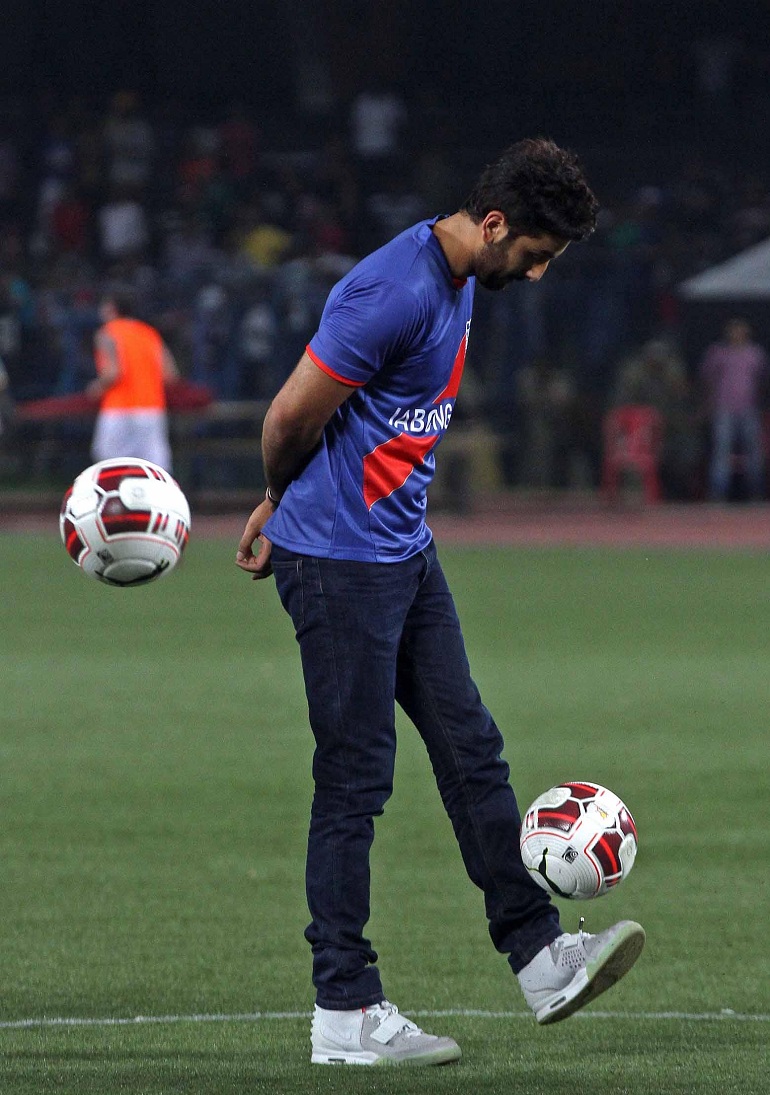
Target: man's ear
[[494, 227]]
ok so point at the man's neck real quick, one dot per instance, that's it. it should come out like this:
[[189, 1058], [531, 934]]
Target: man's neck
[[457, 238]]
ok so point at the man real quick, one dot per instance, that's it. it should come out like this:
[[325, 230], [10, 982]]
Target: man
[[133, 365], [348, 448], [656, 376], [734, 374]]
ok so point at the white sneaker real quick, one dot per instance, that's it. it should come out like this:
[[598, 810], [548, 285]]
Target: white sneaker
[[575, 969], [377, 1035]]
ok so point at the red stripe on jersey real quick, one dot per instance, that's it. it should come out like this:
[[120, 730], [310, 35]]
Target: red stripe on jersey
[[389, 466], [452, 388], [330, 372]]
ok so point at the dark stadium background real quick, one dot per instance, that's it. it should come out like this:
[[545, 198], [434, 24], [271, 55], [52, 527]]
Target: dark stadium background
[[625, 83], [599, 71]]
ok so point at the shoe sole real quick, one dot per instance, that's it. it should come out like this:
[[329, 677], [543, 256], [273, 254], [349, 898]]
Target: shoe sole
[[436, 1057], [600, 974]]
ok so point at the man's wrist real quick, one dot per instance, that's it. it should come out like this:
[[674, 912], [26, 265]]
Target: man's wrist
[[273, 498]]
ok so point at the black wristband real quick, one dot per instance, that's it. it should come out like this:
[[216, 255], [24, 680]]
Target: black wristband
[[272, 498]]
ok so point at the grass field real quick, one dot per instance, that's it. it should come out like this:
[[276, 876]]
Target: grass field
[[154, 795]]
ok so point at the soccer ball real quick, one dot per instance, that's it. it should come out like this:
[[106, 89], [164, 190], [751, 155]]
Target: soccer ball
[[578, 840], [125, 522]]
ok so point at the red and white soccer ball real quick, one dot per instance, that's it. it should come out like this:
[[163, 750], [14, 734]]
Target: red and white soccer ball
[[578, 840], [125, 522]]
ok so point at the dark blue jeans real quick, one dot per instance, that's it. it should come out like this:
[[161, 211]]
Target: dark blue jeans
[[745, 428], [371, 634]]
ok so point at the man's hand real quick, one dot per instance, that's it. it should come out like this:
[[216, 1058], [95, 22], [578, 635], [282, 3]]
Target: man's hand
[[292, 428], [257, 565]]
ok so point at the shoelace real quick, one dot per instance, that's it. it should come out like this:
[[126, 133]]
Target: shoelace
[[386, 1010], [570, 942]]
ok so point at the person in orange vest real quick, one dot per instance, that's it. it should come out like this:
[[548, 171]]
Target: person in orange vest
[[133, 365]]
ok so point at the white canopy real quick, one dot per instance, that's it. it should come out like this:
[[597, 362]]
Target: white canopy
[[745, 276]]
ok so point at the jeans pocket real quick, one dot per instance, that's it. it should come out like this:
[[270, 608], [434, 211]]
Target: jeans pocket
[[288, 574]]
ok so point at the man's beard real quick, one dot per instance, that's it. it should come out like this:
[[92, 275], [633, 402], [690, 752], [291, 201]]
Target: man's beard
[[491, 267]]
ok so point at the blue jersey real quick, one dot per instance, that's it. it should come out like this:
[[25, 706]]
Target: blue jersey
[[396, 329]]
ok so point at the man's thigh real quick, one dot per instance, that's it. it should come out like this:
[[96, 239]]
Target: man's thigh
[[348, 617], [436, 689]]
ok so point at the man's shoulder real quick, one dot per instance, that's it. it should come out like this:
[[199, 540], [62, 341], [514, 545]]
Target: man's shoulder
[[408, 267], [399, 255], [391, 276]]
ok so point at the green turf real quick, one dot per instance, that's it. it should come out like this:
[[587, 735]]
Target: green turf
[[154, 794]]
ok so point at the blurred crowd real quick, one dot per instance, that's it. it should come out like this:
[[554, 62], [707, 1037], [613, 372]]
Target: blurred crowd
[[231, 241]]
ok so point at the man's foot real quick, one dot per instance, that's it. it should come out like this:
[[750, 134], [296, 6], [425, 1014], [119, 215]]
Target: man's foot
[[575, 969], [377, 1035]]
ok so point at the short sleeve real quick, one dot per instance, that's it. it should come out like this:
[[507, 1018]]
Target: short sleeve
[[366, 324]]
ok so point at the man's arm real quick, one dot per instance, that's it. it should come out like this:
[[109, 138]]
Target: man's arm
[[168, 365], [292, 428], [107, 365]]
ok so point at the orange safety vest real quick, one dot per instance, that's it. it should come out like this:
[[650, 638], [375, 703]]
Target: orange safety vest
[[140, 359]]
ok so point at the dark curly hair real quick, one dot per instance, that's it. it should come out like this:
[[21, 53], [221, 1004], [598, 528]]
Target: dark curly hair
[[539, 187]]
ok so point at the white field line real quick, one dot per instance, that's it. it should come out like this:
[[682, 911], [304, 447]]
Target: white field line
[[725, 1015]]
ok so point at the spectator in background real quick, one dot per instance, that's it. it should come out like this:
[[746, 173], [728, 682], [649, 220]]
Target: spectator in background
[[56, 168], [70, 222], [257, 332], [378, 118], [57, 157], [214, 353], [734, 374], [197, 164], [123, 228], [262, 239], [133, 365], [186, 251], [656, 377], [546, 397], [73, 311], [300, 288], [129, 142]]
